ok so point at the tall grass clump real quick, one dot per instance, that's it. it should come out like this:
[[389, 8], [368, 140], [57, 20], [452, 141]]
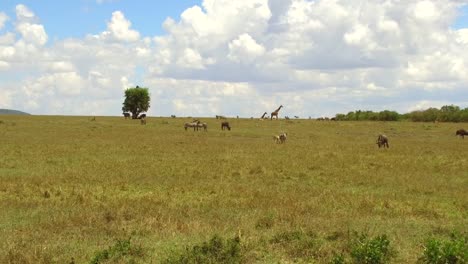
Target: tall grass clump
[[451, 251], [216, 250]]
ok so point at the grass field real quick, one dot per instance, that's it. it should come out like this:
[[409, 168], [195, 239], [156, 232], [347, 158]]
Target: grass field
[[71, 187]]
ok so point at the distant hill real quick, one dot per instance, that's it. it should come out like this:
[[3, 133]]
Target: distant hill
[[12, 112]]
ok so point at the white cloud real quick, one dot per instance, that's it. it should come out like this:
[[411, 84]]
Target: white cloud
[[245, 49], [119, 28], [3, 19], [30, 31]]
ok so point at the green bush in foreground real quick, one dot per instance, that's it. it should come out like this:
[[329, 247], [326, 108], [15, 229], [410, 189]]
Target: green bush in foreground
[[121, 249], [367, 250], [216, 250], [451, 251]]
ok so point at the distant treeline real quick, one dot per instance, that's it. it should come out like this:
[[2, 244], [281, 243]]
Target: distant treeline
[[447, 113]]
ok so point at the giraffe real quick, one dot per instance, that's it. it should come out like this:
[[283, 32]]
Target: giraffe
[[264, 115], [275, 113]]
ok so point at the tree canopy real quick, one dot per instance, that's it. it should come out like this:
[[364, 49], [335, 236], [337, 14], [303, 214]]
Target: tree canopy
[[447, 113], [137, 100]]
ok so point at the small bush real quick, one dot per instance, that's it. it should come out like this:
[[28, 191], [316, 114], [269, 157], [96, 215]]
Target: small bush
[[451, 251], [121, 249], [338, 259], [214, 251], [367, 250]]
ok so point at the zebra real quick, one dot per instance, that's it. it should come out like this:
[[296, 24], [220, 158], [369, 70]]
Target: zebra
[[462, 133], [283, 137], [126, 115], [382, 141], [276, 139], [192, 124], [280, 139], [225, 125]]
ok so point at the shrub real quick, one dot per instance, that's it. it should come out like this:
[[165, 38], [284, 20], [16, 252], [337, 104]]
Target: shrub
[[121, 249], [437, 251], [216, 250], [367, 250]]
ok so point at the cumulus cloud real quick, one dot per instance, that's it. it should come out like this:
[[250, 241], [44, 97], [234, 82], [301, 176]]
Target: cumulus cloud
[[246, 57], [119, 28]]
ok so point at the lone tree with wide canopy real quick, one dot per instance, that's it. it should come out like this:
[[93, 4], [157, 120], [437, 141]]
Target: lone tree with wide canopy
[[137, 100]]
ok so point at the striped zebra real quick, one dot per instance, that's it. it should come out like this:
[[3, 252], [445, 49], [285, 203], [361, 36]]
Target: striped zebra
[[462, 133], [191, 124], [382, 141], [280, 139], [202, 125]]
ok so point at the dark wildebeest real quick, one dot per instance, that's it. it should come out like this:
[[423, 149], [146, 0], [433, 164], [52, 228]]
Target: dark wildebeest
[[126, 115], [462, 133], [225, 125], [382, 141]]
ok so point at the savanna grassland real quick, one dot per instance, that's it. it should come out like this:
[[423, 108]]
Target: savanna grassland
[[71, 187]]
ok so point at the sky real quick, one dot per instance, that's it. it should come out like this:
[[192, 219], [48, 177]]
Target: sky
[[233, 58]]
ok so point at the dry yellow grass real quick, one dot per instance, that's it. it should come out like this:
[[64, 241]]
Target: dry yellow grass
[[70, 186]]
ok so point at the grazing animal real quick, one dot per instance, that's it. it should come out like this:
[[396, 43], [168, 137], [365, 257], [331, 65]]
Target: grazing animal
[[141, 116], [275, 113], [225, 125], [283, 137], [202, 125], [296, 117], [276, 139], [126, 115], [382, 141], [192, 124], [286, 117], [280, 139], [462, 133], [143, 121], [173, 116]]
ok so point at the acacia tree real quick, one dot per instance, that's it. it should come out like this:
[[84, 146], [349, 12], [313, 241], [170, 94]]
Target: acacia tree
[[137, 100]]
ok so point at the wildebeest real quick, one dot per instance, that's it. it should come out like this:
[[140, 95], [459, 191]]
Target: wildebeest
[[382, 141], [141, 116], [225, 125], [126, 115], [462, 133]]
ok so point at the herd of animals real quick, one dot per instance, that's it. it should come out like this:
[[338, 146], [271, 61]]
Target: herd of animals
[[382, 140]]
